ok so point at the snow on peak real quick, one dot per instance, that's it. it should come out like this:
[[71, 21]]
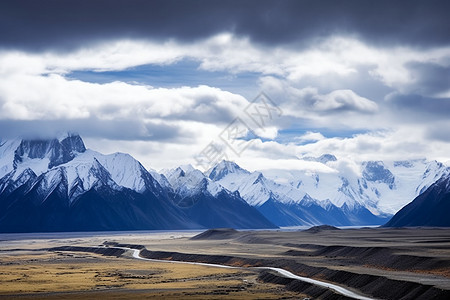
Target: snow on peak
[[73, 142], [187, 181], [224, 168], [381, 187], [307, 200], [187, 168], [376, 171], [83, 173], [124, 169], [253, 187], [445, 182], [89, 167], [7, 153], [173, 174], [325, 158], [434, 171], [160, 178], [38, 154]]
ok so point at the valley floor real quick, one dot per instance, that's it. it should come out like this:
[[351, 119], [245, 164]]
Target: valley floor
[[374, 262]]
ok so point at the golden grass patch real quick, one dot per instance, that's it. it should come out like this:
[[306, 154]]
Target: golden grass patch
[[80, 275]]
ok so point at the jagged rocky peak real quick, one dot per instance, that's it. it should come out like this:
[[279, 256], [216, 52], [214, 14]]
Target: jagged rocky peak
[[307, 200], [325, 158], [259, 178], [222, 169], [188, 168], [73, 142], [404, 163], [176, 173], [433, 167], [377, 172], [57, 151]]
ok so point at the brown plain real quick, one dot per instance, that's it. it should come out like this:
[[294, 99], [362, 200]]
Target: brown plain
[[419, 256]]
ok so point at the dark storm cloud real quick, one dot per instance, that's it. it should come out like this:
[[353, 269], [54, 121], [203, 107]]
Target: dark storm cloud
[[36, 25], [93, 128], [429, 78]]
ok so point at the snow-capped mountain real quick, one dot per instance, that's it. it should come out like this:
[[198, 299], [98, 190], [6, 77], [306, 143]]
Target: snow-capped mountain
[[186, 182], [430, 208], [59, 185], [38, 155], [82, 169], [252, 186], [380, 186], [286, 205], [209, 203]]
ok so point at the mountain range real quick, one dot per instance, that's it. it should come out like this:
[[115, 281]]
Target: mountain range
[[431, 208], [286, 205], [59, 185]]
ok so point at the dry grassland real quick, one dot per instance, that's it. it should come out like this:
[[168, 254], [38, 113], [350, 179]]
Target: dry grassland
[[80, 276]]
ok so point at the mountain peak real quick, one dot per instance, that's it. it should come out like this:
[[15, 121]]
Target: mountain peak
[[230, 165], [73, 142], [377, 172], [187, 168], [222, 169], [326, 158], [322, 159], [57, 151]]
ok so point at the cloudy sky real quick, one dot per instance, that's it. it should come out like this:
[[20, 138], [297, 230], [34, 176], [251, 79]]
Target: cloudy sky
[[169, 81]]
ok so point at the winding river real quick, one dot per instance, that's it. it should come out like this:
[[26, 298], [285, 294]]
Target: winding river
[[338, 289]]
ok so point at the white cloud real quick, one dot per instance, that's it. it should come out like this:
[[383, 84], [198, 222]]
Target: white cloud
[[31, 97], [343, 100], [339, 109], [309, 137], [226, 52], [268, 132], [398, 144], [34, 87], [263, 163]]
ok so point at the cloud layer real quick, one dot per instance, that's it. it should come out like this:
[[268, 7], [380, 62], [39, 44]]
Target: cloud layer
[[60, 25], [356, 79]]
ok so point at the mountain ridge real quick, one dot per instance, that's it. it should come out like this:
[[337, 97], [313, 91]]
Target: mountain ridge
[[59, 185], [430, 208], [62, 174], [284, 205]]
